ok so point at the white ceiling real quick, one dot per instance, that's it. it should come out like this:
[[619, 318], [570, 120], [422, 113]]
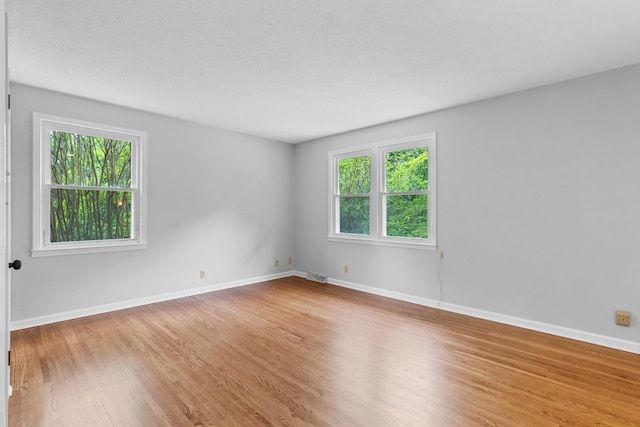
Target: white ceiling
[[295, 70]]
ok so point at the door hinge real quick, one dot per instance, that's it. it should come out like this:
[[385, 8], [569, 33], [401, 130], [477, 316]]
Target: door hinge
[[9, 357], [9, 102]]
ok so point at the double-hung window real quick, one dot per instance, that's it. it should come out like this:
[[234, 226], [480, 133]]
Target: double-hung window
[[89, 187], [384, 193]]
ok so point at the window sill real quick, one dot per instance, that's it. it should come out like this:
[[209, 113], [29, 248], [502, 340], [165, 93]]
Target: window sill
[[86, 249], [388, 243]]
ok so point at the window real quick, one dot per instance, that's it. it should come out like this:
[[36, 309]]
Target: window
[[88, 187], [384, 193]]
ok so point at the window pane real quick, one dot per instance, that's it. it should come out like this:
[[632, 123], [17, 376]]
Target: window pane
[[78, 215], [354, 215], [407, 170], [407, 216], [89, 161], [354, 174]]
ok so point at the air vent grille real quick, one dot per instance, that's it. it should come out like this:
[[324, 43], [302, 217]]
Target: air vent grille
[[316, 277]]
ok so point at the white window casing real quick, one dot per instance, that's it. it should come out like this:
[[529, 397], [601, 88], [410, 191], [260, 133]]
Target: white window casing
[[377, 221], [43, 125]]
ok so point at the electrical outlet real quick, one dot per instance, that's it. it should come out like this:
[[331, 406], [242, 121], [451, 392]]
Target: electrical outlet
[[346, 268], [623, 318], [441, 254], [276, 263], [202, 274], [290, 260]]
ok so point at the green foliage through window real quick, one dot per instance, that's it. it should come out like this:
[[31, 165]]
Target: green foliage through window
[[407, 216], [90, 179], [354, 215], [78, 215], [407, 171], [355, 175], [354, 186]]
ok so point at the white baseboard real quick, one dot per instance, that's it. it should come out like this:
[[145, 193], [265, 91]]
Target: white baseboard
[[588, 337], [106, 308]]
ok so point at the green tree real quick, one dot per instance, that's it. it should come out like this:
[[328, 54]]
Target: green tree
[[90, 178], [407, 171], [354, 187], [406, 179]]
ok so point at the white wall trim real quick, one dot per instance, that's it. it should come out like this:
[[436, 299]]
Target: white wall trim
[[588, 337], [106, 308], [561, 331]]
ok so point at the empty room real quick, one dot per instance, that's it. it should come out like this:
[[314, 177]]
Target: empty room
[[335, 213]]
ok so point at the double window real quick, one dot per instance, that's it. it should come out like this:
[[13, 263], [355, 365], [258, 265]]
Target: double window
[[385, 193], [89, 193]]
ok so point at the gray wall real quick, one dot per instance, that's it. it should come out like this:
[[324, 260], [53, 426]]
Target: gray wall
[[538, 207], [218, 201]]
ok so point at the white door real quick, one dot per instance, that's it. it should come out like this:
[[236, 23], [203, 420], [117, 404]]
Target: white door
[[5, 296], [15, 264]]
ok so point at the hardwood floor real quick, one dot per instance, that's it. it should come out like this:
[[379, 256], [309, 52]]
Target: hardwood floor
[[293, 352]]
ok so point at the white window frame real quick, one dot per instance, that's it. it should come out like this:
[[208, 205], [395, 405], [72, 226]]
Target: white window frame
[[377, 214], [43, 124]]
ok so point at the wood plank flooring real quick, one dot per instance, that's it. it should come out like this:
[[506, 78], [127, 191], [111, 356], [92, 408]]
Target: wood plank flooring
[[296, 353]]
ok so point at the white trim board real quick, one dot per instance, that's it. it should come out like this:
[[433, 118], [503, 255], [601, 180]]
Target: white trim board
[[574, 334], [106, 308]]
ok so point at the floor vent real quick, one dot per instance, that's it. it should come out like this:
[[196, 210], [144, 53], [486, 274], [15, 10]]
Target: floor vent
[[317, 277]]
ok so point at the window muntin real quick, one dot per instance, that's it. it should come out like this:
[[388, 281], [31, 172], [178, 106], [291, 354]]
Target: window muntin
[[88, 187], [401, 193]]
